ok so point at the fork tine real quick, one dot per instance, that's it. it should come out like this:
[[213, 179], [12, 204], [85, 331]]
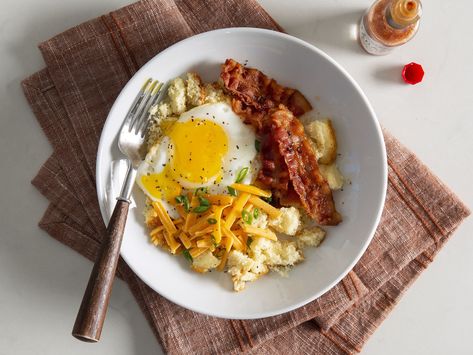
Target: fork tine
[[144, 117], [146, 95], [136, 102]]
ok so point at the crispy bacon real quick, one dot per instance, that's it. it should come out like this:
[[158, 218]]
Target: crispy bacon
[[254, 94], [289, 164], [273, 173], [313, 190]]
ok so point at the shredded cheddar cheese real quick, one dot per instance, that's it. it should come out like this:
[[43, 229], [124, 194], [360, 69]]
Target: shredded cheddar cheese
[[218, 223], [210, 229], [172, 243], [164, 217], [223, 262], [228, 242], [260, 232], [236, 242], [273, 212], [200, 224], [236, 209], [185, 240], [204, 243], [156, 231], [251, 190], [190, 217], [195, 252], [221, 200], [205, 231]]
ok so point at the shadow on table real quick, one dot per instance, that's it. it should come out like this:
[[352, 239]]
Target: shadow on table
[[389, 74]]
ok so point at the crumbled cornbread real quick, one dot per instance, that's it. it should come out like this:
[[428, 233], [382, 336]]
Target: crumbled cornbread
[[333, 176], [194, 90], [205, 262], [264, 254], [310, 237], [288, 222], [177, 96]]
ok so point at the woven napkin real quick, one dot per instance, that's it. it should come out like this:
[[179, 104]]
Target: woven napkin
[[88, 65]]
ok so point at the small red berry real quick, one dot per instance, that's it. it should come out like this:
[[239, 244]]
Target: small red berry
[[413, 73]]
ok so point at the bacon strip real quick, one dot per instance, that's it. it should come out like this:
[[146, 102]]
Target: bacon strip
[[255, 94], [273, 172], [313, 190], [289, 164]]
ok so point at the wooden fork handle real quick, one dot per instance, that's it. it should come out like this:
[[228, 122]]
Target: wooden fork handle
[[91, 315]]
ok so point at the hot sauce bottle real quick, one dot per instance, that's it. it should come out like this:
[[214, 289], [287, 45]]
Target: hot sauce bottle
[[388, 24]]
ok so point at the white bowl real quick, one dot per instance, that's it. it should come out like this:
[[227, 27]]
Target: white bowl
[[332, 91]]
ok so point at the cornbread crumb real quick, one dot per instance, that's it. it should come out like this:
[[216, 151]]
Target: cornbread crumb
[[288, 222], [214, 93], [242, 269], [177, 96], [205, 262], [194, 90], [159, 115], [323, 135], [275, 253], [157, 130], [310, 237], [161, 110], [263, 255], [261, 221], [333, 176]]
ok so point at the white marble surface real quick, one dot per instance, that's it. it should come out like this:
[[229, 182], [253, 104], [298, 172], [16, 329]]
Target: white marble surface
[[41, 281]]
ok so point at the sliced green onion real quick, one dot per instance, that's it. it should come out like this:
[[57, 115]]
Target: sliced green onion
[[256, 212], [212, 221], [183, 200], [257, 145], [249, 241], [212, 239], [267, 199], [241, 174], [231, 191], [200, 209], [203, 201], [246, 216], [187, 255], [187, 206], [200, 190]]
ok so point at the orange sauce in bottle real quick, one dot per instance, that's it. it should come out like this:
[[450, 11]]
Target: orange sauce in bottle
[[388, 24]]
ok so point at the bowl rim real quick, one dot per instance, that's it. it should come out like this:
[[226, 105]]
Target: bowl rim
[[380, 202]]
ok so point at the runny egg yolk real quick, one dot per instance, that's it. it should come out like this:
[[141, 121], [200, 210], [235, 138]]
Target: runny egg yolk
[[199, 146], [196, 152], [162, 185]]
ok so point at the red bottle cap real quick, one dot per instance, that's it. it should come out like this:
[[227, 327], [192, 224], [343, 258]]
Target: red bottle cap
[[413, 73]]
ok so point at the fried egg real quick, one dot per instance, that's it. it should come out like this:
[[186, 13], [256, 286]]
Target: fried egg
[[208, 146]]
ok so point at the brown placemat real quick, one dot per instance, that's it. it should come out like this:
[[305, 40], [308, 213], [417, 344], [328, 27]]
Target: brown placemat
[[86, 68]]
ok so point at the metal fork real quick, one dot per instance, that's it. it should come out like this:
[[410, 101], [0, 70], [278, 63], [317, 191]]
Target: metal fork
[[91, 315]]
